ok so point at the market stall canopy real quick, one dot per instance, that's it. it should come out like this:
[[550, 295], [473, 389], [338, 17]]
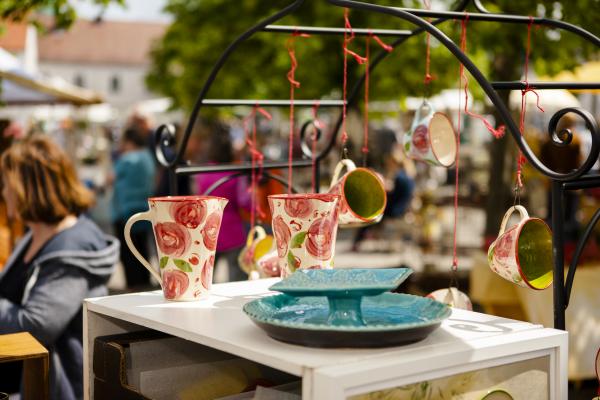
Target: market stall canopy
[[549, 99], [22, 88], [588, 72]]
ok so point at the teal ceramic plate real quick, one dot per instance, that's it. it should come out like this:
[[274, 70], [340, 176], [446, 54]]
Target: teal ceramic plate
[[346, 282], [390, 319]]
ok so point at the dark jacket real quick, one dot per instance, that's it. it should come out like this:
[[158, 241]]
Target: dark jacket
[[73, 265]]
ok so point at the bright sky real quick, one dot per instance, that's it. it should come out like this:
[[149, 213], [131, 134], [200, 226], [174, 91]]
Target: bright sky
[[135, 10]]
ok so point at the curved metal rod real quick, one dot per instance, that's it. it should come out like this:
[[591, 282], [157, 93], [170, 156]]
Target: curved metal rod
[[489, 90], [163, 132], [353, 93], [304, 137], [480, 7], [227, 178], [575, 260]]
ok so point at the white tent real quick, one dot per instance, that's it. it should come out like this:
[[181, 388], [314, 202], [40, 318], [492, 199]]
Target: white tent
[[22, 88]]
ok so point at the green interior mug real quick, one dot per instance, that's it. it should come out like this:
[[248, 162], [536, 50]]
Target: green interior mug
[[523, 253], [363, 196]]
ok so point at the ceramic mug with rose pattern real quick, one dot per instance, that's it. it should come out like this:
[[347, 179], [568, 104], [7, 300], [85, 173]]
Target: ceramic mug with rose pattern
[[522, 254], [362, 195], [258, 243], [431, 137], [305, 228], [186, 229]]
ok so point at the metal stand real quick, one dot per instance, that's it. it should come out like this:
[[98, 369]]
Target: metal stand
[[576, 179]]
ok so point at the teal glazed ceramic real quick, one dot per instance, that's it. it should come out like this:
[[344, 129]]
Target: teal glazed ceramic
[[390, 319], [344, 289]]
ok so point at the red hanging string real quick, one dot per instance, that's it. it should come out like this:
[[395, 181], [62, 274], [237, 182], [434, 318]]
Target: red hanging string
[[317, 125], [428, 77], [461, 78], [388, 48], [499, 132], [521, 158], [257, 159], [348, 37], [291, 48], [365, 148]]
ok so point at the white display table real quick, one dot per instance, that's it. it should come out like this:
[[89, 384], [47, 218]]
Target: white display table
[[467, 341]]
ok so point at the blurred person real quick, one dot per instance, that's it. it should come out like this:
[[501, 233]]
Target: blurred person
[[232, 236], [62, 259], [133, 181]]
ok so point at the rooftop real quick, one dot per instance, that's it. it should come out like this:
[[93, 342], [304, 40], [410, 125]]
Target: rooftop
[[13, 36], [104, 42]]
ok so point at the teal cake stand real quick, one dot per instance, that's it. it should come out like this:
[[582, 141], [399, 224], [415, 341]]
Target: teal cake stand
[[346, 308]]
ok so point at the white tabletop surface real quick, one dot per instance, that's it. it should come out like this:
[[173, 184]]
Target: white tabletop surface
[[219, 322]]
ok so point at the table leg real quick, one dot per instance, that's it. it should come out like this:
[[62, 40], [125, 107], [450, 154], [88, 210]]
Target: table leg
[[35, 378]]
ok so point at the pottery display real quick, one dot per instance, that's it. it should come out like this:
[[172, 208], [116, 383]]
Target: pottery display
[[258, 244], [452, 297], [346, 308], [186, 229], [522, 254], [431, 138], [362, 195], [305, 230]]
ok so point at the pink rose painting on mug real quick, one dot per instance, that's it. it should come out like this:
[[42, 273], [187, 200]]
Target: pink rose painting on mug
[[186, 230], [305, 229]]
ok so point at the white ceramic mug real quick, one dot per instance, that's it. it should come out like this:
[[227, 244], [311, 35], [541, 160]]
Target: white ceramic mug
[[186, 229], [362, 195], [431, 137], [305, 229]]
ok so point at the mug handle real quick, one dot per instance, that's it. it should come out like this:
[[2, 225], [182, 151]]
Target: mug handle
[[256, 233], [346, 162], [425, 105], [142, 216], [520, 209]]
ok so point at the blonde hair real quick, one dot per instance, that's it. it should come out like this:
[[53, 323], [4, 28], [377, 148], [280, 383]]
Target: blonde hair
[[43, 181]]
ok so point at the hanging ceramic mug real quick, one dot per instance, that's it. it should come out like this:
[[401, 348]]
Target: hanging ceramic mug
[[452, 297], [268, 265], [362, 195], [186, 229], [431, 137], [258, 243], [305, 229], [523, 253]]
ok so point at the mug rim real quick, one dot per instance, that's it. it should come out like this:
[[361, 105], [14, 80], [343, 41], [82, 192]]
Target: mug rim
[[316, 196], [343, 197], [430, 144], [521, 273], [175, 199]]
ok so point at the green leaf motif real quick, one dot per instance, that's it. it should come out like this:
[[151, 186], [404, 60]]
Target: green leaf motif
[[182, 265], [298, 239], [291, 262], [163, 262]]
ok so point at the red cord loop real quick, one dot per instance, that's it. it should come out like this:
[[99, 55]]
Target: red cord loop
[[521, 160], [317, 124], [294, 84], [257, 158], [497, 132]]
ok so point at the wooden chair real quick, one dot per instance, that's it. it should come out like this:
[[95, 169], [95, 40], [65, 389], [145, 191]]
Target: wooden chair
[[23, 346]]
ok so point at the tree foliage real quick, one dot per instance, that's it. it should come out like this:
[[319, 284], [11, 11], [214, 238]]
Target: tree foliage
[[202, 29], [62, 10]]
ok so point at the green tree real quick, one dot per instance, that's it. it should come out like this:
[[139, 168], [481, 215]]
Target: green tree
[[62, 10], [202, 29]]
